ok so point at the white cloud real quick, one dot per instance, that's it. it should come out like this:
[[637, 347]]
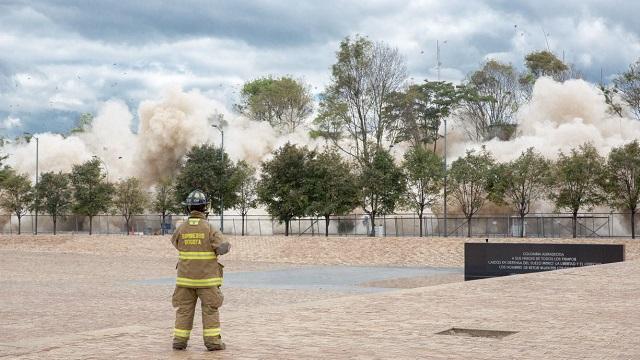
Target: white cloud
[[11, 122], [53, 63]]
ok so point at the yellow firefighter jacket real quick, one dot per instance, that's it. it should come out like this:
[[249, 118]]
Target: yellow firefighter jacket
[[197, 242]]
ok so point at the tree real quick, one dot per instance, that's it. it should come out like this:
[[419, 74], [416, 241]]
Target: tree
[[419, 110], [209, 169], [521, 182], [351, 113], [84, 121], [627, 85], [247, 196], [130, 199], [5, 170], [578, 177], [55, 195], [545, 63], [470, 177], [424, 172], [91, 191], [3, 157], [16, 195], [622, 180], [282, 186], [612, 99], [382, 185], [332, 187], [491, 112], [282, 102], [164, 200]]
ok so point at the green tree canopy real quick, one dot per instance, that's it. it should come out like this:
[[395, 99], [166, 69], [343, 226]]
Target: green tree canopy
[[209, 169], [283, 102], [418, 111], [282, 187], [55, 195], [627, 86], [578, 178], [16, 195], [424, 173], [545, 63], [83, 123], [498, 92], [130, 199], [622, 179], [332, 186], [611, 98], [247, 195], [5, 170], [471, 177], [351, 113], [382, 183], [91, 191], [521, 182], [164, 200]]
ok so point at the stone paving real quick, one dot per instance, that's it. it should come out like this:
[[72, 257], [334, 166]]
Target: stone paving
[[65, 298]]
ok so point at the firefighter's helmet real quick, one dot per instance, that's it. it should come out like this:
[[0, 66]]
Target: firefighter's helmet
[[196, 198]]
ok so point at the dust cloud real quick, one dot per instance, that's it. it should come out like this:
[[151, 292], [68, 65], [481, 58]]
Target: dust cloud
[[559, 116], [167, 129]]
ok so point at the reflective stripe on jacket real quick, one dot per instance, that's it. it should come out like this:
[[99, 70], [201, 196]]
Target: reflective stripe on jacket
[[196, 242]]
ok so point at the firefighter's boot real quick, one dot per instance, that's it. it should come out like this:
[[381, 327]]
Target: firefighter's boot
[[214, 343], [179, 343]]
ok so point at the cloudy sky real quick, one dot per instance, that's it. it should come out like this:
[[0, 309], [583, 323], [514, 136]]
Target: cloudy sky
[[60, 58]]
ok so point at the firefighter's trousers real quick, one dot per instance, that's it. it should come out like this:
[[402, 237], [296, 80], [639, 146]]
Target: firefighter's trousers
[[185, 299]]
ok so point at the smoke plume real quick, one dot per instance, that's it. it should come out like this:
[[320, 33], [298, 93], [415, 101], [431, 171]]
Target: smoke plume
[[168, 128], [560, 116]]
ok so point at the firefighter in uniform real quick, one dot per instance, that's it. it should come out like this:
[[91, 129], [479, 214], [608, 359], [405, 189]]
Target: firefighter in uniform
[[199, 274]]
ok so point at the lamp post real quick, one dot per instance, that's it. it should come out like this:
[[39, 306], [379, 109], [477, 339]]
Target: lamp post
[[35, 231], [219, 127], [37, 176], [438, 57], [445, 178], [445, 141]]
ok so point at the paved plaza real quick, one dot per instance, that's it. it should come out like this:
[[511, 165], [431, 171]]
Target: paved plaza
[[108, 297]]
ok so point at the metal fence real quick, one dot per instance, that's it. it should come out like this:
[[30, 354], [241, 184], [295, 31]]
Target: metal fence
[[536, 225]]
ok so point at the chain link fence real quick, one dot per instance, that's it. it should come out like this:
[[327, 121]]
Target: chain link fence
[[397, 225]]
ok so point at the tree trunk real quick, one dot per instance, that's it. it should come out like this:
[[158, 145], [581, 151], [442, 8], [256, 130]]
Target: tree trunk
[[326, 225], [128, 220], [373, 223], [242, 215], [469, 226], [633, 223], [574, 224], [286, 227], [90, 225], [521, 225], [420, 217], [19, 224], [162, 225], [55, 221]]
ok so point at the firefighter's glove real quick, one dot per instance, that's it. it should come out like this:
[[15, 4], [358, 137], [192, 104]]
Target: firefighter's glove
[[223, 248]]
